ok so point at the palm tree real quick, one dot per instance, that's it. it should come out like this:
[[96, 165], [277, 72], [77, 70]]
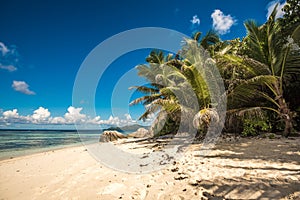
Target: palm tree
[[210, 38], [159, 97], [259, 66], [178, 87]]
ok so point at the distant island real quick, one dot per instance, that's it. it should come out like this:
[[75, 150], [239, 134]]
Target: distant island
[[125, 128]]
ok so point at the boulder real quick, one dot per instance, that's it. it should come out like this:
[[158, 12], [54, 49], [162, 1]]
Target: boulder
[[141, 133], [109, 136]]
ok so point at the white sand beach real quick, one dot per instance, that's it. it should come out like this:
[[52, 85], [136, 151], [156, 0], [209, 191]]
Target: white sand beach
[[242, 169]]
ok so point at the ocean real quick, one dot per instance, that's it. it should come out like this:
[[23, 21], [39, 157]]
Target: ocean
[[14, 143]]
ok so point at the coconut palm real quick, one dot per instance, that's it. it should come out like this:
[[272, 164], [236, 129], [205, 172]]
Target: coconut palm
[[159, 94], [210, 38], [259, 66], [156, 92], [178, 88]]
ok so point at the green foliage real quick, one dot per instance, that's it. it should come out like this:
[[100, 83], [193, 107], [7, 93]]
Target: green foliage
[[291, 17], [257, 70], [177, 87], [253, 127], [272, 136], [209, 39], [261, 73]]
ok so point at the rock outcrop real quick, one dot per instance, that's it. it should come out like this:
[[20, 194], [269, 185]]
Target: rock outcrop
[[109, 136], [140, 133]]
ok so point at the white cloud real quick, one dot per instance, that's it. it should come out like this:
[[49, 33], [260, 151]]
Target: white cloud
[[9, 57], [113, 120], [116, 121], [41, 114], [72, 116], [128, 117], [195, 20], [11, 114], [222, 23], [57, 120], [271, 6], [9, 68], [95, 120], [23, 87], [4, 50]]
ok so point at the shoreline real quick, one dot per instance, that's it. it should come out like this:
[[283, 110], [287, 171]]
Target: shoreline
[[37, 152], [21, 153], [243, 169]]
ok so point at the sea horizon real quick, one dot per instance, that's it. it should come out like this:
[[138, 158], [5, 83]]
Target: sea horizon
[[18, 142]]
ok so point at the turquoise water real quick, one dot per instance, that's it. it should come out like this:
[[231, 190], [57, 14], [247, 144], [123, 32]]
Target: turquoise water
[[15, 143]]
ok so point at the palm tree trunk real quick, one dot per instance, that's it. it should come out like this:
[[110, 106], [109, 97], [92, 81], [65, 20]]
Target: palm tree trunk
[[284, 111], [285, 114]]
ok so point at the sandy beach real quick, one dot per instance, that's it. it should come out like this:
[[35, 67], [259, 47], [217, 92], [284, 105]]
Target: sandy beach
[[235, 169]]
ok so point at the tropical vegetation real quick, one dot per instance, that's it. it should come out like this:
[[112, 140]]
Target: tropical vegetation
[[261, 76]]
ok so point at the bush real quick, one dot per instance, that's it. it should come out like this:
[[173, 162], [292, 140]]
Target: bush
[[252, 127], [272, 136]]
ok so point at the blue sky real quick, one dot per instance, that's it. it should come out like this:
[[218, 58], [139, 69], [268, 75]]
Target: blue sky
[[43, 44]]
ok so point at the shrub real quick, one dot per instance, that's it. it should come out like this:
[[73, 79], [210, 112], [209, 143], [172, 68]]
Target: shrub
[[252, 127], [272, 136]]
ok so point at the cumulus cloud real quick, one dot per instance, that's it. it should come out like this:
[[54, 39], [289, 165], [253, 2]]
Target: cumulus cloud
[[195, 20], [113, 120], [95, 120], [9, 58], [221, 22], [116, 121], [11, 114], [41, 114], [72, 116], [271, 6], [128, 117], [23, 87], [57, 120]]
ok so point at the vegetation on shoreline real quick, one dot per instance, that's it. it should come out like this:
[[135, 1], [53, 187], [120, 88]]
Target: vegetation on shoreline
[[261, 76]]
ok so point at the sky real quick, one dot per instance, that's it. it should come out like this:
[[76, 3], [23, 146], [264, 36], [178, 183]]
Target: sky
[[44, 43]]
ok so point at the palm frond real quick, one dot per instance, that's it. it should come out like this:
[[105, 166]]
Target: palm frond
[[256, 42], [145, 99], [144, 89], [250, 90], [210, 38], [197, 36]]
